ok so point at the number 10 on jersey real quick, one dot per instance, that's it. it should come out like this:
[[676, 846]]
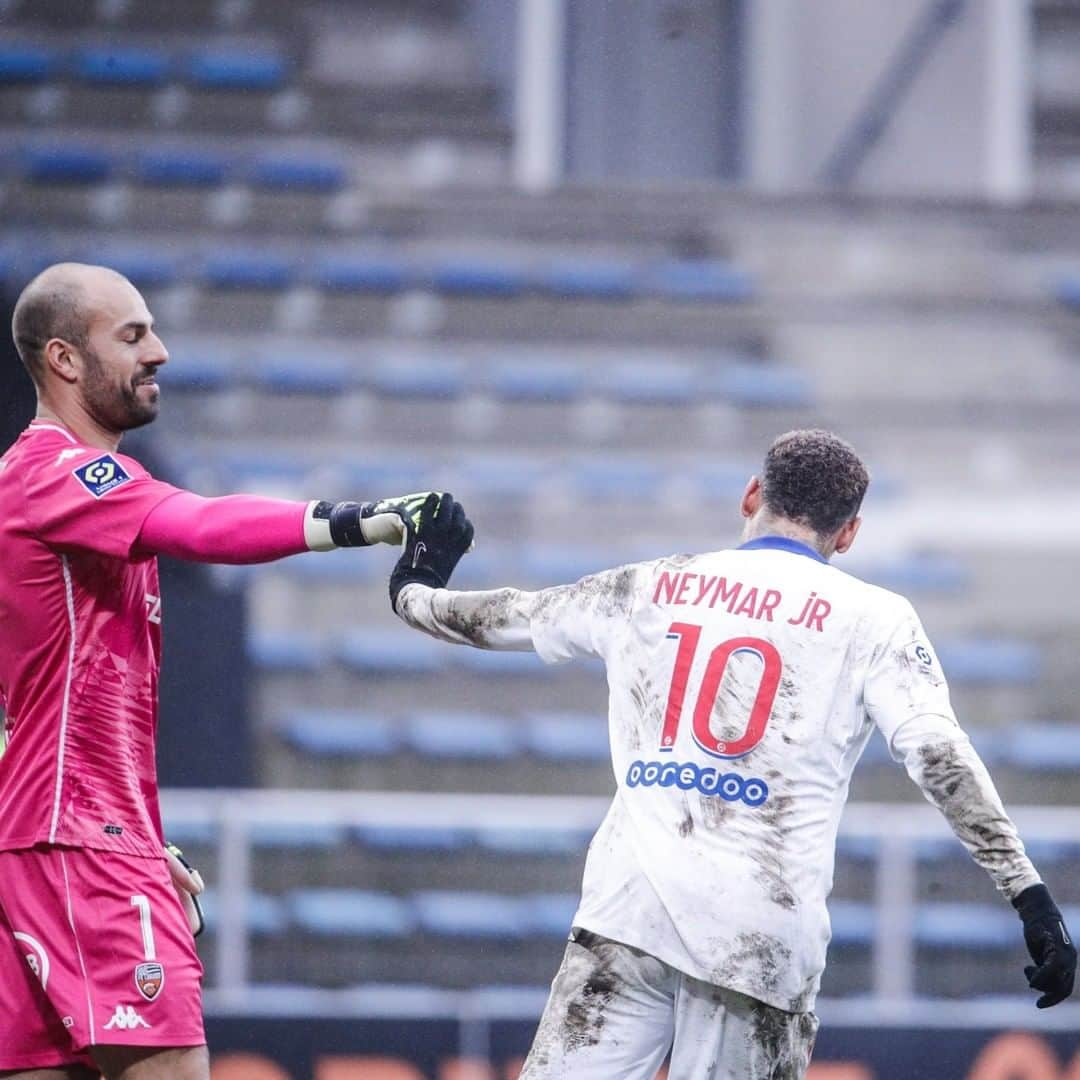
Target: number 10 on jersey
[[689, 637]]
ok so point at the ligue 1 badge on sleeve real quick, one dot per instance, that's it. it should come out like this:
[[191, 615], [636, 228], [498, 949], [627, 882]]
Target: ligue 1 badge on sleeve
[[101, 475], [149, 978]]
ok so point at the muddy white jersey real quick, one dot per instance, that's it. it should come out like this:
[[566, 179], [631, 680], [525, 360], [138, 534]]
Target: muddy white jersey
[[744, 685]]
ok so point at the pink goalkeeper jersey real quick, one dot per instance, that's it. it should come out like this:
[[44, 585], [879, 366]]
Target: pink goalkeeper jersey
[[80, 645]]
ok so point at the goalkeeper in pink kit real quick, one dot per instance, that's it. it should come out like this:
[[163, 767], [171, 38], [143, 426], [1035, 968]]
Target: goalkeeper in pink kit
[[98, 969]]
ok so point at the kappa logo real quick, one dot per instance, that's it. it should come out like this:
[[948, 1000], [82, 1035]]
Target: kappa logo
[[149, 979], [101, 475], [125, 1019], [65, 455]]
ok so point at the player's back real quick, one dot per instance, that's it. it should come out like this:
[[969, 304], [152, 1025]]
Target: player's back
[[738, 710], [79, 647]]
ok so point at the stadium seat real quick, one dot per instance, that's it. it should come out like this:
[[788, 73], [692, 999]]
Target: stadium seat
[[959, 925], [504, 477], [263, 914], [182, 168], [341, 567], [1043, 747], [496, 663], [461, 735], [297, 834], [401, 377], [1068, 290], [588, 280], [125, 66], [257, 467], [351, 912], [372, 273], [476, 277], [752, 385], [853, 923], [469, 914], [296, 372], [66, 163], [249, 270], [927, 572], [145, 269], [990, 661], [562, 564], [546, 381], [381, 652], [27, 63], [566, 736], [301, 173], [284, 650], [413, 838], [659, 383], [722, 480], [700, 279], [549, 914], [340, 732], [617, 478], [236, 69], [538, 841]]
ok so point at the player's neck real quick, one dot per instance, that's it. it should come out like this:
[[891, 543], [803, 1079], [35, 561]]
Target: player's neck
[[767, 525], [80, 424]]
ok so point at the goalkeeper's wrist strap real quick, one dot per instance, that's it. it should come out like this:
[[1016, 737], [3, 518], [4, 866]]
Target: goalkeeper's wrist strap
[[330, 525]]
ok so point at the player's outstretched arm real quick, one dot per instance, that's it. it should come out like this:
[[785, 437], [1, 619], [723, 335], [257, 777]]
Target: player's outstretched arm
[[942, 761], [250, 529]]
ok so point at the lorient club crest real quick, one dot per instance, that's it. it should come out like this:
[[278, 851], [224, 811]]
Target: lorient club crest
[[150, 978]]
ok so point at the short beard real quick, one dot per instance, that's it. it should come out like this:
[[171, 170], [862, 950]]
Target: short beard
[[115, 408]]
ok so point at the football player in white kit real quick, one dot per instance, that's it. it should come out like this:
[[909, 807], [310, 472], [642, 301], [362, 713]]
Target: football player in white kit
[[744, 685]]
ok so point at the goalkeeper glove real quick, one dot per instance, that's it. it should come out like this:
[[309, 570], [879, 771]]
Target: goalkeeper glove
[[438, 536], [330, 525], [1049, 944], [188, 883]]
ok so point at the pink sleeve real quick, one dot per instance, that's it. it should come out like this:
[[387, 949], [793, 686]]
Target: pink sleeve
[[231, 529]]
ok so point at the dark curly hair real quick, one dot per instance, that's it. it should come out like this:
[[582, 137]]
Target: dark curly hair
[[814, 478]]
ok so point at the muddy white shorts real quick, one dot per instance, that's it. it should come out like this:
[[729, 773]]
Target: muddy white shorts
[[615, 1012]]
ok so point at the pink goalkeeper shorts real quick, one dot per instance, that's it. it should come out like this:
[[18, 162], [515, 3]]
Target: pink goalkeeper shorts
[[95, 950]]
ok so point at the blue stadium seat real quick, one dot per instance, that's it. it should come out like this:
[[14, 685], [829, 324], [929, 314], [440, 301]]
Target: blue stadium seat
[[256, 467], [27, 63], [121, 65], [296, 372], [373, 273], [332, 567], [340, 732], [302, 173], [617, 478], [249, 270], [567, 736], [589, 280], [657, 383], [990, 661], [393, 473], [182, 168], [504, 476], [701, 279], [928, 572], [539, 841], [461, 735], [263, 914], [477, 277], [66, 163], [562, 564], [413, 838], [192, 833], [469, 914], [297, 834], [284, 650], [861, 848], [549, 914], [1044, 747], [395, 652], [403, 377], [958, 925], [722, 480], [145, 269], [853, 923], [545, 381], [486, 662], [350, 912], [751, 385], [237, 69], [1068, 290]]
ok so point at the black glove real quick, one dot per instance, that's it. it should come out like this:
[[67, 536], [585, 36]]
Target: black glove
[[437, 538], [1049, 944]]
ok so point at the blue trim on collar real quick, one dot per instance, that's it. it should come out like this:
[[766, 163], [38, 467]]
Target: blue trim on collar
[[782, 543]]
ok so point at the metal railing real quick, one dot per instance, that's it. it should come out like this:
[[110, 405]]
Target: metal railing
[[233, 815]]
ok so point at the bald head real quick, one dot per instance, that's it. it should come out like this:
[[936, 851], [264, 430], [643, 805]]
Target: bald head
[[59, 303]]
